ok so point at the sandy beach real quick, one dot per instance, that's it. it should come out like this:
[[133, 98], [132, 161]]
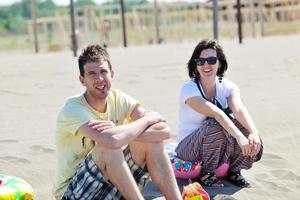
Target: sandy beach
[[33, 87]]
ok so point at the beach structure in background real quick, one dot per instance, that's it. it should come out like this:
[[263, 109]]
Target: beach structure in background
[[174, 22]]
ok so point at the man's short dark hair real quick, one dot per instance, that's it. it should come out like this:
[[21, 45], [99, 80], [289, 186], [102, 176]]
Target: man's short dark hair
[[93, 53]]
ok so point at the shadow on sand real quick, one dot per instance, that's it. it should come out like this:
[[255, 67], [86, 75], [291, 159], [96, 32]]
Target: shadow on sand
[[151, 191]]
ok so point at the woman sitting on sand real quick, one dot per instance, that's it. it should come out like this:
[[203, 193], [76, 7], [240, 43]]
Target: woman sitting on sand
[[208, 130]]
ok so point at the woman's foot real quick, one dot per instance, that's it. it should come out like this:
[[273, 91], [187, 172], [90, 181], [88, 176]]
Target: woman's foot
[[237, 179], [210, 180]]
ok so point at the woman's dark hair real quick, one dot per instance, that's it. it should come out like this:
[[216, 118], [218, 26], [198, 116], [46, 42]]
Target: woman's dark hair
[[202, 45], [93, 53]]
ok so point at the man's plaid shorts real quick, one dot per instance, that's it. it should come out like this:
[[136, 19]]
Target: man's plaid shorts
[[88, 183]]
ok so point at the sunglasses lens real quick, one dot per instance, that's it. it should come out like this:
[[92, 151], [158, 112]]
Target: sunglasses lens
[[212, 60], [200, 61]]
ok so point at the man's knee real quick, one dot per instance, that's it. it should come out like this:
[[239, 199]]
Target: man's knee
[[140, 150], [146, 146], [103, 156], [154, 149], [155, 146]]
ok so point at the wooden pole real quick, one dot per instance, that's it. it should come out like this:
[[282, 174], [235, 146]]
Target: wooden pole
[[34, 26], [156, 22], [123, 23], [86, 24], [261, 18], [73, 29], [253, 18], [215, 20], [239, 19]]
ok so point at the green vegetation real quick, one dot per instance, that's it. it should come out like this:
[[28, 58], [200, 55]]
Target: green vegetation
[[13, 18], [128, 3], [174, 26], [84, 3]]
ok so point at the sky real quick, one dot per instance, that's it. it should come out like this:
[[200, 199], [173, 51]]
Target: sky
[[66, 2]]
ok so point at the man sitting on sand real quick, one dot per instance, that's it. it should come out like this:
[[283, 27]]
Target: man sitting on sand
[[106, 142]]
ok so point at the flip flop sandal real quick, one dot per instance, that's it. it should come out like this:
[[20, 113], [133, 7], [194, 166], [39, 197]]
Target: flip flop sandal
[[237, 179], [210, 180]]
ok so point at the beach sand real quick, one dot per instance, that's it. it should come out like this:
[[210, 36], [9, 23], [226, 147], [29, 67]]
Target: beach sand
[[33, 87]]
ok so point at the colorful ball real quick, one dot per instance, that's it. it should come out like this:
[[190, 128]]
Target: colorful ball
[[190, 169], [222, 170], [186, 169], [182, 169], [13, 188]]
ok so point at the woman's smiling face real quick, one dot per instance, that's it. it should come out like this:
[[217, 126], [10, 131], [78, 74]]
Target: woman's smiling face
[[206, 69]]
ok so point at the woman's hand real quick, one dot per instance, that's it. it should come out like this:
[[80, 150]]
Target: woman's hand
[[244, 145], [101, 125], [255, 144]]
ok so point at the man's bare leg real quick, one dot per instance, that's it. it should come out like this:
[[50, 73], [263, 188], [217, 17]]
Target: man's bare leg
[[114, 167], [158, 165]]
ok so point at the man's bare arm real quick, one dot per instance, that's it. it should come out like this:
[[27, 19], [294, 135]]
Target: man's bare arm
[[118, 136], [155, 133]]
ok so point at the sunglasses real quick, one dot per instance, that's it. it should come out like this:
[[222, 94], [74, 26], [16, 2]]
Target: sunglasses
[[210, 60]]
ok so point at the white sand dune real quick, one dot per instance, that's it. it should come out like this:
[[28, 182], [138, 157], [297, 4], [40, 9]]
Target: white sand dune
[[33, 87]]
